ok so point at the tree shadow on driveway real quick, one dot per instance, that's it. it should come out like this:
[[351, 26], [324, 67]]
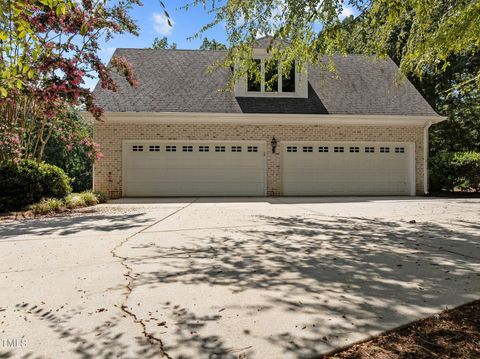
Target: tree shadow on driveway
[[72, 225], [340, 279], [105, 340]]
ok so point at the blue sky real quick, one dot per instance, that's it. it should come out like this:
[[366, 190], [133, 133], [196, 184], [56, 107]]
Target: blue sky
[[152, 23]]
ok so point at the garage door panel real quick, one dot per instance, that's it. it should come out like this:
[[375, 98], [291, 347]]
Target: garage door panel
[[195, 171], [173, 189], [197, 175], [362, 169]]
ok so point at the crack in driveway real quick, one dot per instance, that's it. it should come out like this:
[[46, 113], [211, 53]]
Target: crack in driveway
[[131, 279]]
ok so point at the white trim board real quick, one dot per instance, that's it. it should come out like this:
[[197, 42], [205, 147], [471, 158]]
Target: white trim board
[[265, 119]]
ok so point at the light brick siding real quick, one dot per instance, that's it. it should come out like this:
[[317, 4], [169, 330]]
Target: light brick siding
[[108, 171]]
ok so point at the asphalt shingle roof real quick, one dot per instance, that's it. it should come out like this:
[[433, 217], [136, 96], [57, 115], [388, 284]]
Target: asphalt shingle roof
[[179, 81]]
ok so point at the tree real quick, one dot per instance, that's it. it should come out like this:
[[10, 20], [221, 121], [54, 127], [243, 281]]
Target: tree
[[163, 44], [212, 45], [47, 49], [72, 149], [448, 92], [437, 30]]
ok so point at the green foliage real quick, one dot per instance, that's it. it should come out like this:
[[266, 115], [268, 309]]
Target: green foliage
[[67, 150], [46, 206], [449, 92], [55, 183], [163, 44], [212, 45], [89, 198], [429, 33], [455, 171], [28, 182], [83, 199], [73, 201], [19, 47], [101, 196], [20, 185]]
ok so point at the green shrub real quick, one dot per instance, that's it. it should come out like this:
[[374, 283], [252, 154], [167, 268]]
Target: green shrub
[[101, 196], [28, 182], [19, 185], [74, 200], [46, 205], [89, 198], [55, 182], [455, 171]]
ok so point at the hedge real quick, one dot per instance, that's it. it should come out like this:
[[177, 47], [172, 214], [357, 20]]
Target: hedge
[[28, 182], [451, 171]]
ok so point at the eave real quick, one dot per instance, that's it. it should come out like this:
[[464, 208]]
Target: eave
[[266, 119]]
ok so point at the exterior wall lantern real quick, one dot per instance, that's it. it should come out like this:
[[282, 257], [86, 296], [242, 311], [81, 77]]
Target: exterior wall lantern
[[274, 144]]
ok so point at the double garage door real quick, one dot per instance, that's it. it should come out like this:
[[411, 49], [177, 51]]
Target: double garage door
[[228, 168], [194, 168]]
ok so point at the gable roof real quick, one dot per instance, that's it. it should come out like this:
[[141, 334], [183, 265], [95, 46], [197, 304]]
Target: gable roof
[[179, 81]]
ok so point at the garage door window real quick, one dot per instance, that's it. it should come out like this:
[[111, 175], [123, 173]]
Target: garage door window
[[219, 148], [252, 149], [323, 149], [384, 149], [369, 149], [291, 148], [204, 148], [154, 148], [307, 149], [136, 148], [171, 148], [399, 149], [187, 148], [236, 148], [338, 149], [355, 149]]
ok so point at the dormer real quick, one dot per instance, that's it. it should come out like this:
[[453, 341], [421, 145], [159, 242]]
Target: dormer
[[290, 83]]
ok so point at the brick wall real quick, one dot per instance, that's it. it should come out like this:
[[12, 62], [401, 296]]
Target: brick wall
[[108, 171]]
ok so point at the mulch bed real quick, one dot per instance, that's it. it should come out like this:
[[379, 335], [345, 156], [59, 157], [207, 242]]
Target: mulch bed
[[22, 215], [454, 333]]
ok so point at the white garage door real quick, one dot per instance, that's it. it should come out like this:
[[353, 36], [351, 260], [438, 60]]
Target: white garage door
[[193, 168], [347, 168]]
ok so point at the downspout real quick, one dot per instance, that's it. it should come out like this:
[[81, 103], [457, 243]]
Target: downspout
[[425, 157]]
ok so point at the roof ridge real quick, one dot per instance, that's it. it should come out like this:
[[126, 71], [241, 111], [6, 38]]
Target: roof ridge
[[172, 50]]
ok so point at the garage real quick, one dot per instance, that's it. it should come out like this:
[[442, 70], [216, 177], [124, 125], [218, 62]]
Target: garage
[[193, 168], [347, 168]]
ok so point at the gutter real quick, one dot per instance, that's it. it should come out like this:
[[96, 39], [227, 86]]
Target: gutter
[[426, 150], [263, 119]]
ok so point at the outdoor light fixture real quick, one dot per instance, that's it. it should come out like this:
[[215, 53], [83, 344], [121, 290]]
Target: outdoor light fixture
[[274, 144]]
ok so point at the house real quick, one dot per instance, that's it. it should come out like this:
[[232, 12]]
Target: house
[[358, 132]]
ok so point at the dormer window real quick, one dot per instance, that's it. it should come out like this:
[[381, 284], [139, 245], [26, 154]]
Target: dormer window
[[254, 85], [288, 80], [273, 79], [271, 76]]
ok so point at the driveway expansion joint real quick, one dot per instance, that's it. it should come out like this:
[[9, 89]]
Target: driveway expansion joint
[[130, 279]]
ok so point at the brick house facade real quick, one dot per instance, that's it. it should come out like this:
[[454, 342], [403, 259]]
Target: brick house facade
[[364, 105]]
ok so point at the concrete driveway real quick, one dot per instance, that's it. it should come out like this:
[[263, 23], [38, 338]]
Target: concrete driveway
[[232, 278]]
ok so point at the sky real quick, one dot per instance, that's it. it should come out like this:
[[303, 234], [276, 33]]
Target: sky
[[153, 23]]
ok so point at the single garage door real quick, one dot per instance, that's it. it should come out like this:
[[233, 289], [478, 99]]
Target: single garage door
[[348, 168], [193, 168]]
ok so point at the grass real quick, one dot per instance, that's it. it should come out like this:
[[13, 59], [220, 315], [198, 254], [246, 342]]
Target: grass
[[454, 333], [72, 201]]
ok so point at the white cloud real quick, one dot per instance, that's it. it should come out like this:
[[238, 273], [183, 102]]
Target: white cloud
[[160, 24], [347, 11]]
